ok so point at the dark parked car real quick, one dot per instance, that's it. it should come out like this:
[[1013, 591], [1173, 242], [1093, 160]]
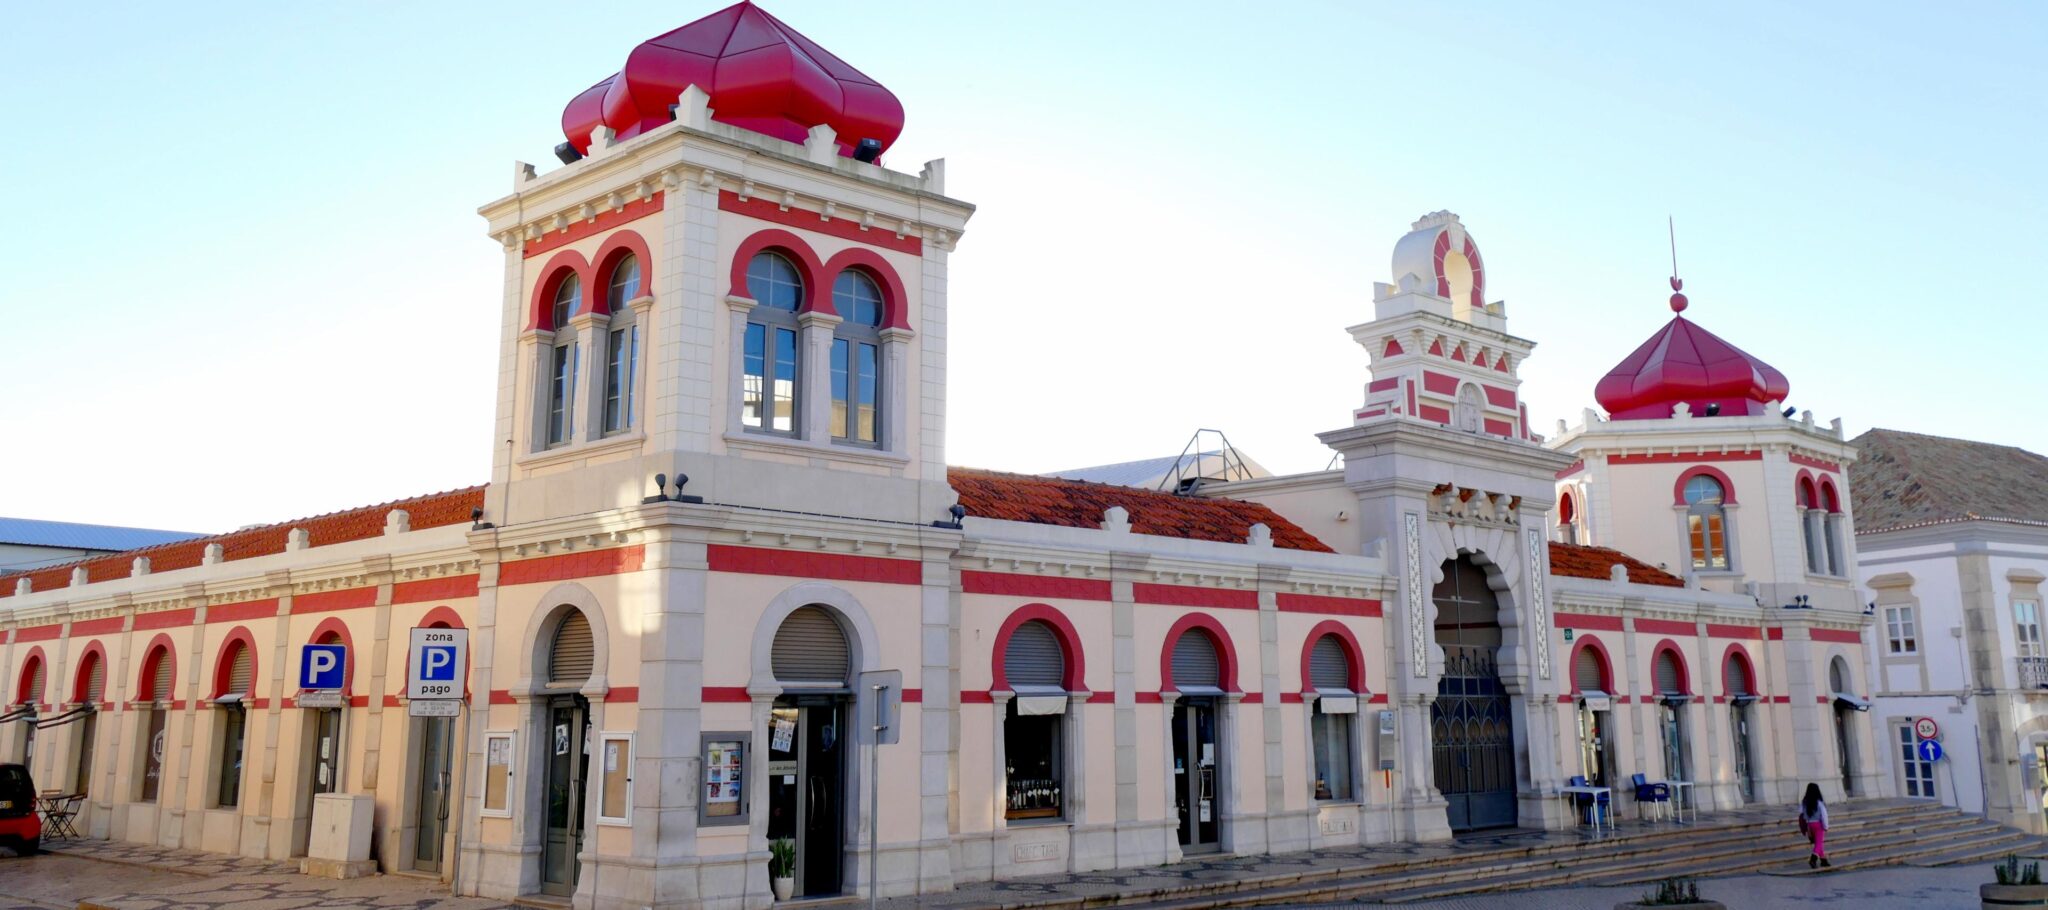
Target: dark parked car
[[20, 827]]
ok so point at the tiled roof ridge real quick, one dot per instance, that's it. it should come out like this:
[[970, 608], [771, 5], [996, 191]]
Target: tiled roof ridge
[[1286, 534], [1594, 562], [1906, 479], [7, 581]]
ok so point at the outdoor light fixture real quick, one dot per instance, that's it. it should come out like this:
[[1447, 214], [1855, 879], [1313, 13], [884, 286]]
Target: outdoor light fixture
[[1713, 409], [477, 522], [1789, 412], [660, 490], [958, 512], [681, 481], [867, 151], [568, 153]]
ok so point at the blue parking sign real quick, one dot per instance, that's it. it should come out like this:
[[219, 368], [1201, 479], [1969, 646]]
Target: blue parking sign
[[323, 667]]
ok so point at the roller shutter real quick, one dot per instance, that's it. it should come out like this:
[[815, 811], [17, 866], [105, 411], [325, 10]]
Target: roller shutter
[[96, 681], [810, 647], [1838, 676], [34, 692], [1329, 668], [1033, 657], [1194, 661], [1737, 675], [1586, 671], [572, 653], [160, 677], [240, 671], [1667, 674]]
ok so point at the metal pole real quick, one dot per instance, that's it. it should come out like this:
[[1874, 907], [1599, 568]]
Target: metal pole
[[875, 798]]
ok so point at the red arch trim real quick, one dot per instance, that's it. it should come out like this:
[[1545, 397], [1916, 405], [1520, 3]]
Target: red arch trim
[[1592, 643], [615, 248], [817, 297], [1684, 672], [334, 626], [1076, 676], [895, 302], [223, 659], [93, 651], [560, 265], [1727, 486], [28, 671], [1734, 652], [1828, 499], [160, 648], [1353, 654], [1566, 509], [446, 617], [1226, 652]]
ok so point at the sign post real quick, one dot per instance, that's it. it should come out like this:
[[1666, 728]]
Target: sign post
[[1926, 729], [433, 672], [884, 703]]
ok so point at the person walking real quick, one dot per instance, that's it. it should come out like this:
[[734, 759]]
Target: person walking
[[1813, 822]]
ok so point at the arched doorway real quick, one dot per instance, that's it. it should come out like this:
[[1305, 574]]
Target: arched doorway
[[1845, 705], [1198, 676], [1667, 670], [1471, 730], [808, 738], [1741, 685], [1590, 674], [571, 656]]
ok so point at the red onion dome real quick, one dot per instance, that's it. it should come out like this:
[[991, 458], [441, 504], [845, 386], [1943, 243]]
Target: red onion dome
[[761, 76], [1686, 363]]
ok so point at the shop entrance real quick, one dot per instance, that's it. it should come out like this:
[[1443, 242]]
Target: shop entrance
[[807, 787], [1195, 772], [1745, 771], [1472, 733], [568, 762], [435, 739], [323, 769]]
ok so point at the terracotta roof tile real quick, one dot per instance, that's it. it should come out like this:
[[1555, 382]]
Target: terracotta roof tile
[[431, 511], [1079, 504], [1901, 479], [1576, 561]]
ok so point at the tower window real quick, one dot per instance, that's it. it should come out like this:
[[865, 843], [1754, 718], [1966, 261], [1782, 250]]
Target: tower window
[[562, 363], [622, 345], [1706, 522], [769, 360], [856, 358]]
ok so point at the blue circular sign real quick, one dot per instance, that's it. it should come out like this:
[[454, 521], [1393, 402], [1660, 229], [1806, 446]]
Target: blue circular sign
[[1930, 750]]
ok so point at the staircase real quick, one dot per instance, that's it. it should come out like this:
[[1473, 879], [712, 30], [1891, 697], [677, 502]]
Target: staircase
[[1866, 833]]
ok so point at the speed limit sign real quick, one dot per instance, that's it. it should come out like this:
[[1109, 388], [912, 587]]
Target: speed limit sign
[[1925, 728]]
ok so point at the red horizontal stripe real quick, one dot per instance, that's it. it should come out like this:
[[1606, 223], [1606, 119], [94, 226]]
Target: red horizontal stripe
[[246, 610], [1018, 585], [1102, 698], [501, 697], [966, 698], [325, 601], [1499, 397], [1586, 621], [800, 564], [1841, 636], [1438, 383], [914, 696], [1575, 468], [1665, 627], [1750, 633], [605, 221], [726, 695], [38, 633], [573, 565], [770, 211], [623, 694], [163, 619], [1686, 457], [97, 626], [1806, 461], [1775, 633], [1150, 698], [452, 587], [1335, 606], [1188, 596]]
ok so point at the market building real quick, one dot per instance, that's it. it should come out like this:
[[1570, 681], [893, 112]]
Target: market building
[[720, 506]]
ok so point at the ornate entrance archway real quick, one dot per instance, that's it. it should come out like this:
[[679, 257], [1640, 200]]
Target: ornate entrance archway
[[1472, 734]]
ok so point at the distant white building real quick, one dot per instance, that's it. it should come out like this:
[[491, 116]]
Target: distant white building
[[27, 543], [1953, 544], [1223, 464]]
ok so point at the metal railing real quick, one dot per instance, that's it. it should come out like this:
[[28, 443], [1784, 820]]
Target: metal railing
[[2033, 672]]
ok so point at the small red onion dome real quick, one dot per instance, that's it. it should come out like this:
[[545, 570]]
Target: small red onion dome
[[1686, 363], [761, 76]]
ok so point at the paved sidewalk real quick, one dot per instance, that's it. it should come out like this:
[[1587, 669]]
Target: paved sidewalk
[[1886, 888], [188, 862], [95, 875]]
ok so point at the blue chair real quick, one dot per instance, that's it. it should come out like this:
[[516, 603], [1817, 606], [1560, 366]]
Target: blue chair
[[1589, 802], [1658, 794]]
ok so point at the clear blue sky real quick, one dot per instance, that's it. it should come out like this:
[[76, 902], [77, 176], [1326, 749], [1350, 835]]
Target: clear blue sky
[[247, 283]]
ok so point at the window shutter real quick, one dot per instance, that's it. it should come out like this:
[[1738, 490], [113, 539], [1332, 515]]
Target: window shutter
[[572, 653], [96, 681], [160, 682], [35, 684], [239, 671], [1194, 661], [1033, 657], [810, 647], [1838, 676], [1737, 675], [1667, 674], [1329, 668], [1586, 671]]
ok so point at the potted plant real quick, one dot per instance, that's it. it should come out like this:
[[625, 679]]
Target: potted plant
[[1678, 891], [782, 867], [2018, 885]]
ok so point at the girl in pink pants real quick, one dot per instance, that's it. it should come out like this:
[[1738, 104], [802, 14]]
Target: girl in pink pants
[[1813, 819]]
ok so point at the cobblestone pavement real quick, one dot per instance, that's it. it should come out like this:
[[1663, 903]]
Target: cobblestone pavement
[[68, 879], [1887, 888]]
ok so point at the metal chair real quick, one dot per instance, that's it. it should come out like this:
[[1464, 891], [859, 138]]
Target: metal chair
[[62, 816], [1656, 794]]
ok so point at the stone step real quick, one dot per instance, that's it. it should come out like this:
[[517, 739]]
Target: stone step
[[1873, 849]]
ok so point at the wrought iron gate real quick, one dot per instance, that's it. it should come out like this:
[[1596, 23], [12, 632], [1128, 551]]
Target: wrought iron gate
[[1472, 736]]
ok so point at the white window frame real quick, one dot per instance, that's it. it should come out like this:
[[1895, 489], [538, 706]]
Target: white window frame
[[604, 740], [2024, 644], [511, 740], [1900, 618]]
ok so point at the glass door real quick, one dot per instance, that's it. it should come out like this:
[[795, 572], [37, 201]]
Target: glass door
[[566, 741], [1195, 773], [432, 804], [1745, 772], [807, 787]]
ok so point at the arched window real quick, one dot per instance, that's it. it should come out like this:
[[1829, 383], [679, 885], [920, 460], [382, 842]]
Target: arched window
[[1839, 680], [622, 344], [571, 652], [92, 688], [1331, 732], [1809, 525], [154, 688], [810, 649], [1568, 518], [1831, 527], [1589, 671], [92, 679], [856, 358], [768, 402], [1034, 722], [562, 362], [1196, 667], [235, 681], [1706, 522], [31, 682], [1668, 671]]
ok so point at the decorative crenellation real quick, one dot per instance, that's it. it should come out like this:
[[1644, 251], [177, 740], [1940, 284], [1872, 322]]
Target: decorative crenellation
[[571, 543], [1466, 505]]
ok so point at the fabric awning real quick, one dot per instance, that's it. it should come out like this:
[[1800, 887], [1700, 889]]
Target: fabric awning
[[1674, 698], [1336, 701], [1845, 700], [1037, 701], [1742, 700], [1198, 690], [232, 698], [75, 714], [1595, 700]]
